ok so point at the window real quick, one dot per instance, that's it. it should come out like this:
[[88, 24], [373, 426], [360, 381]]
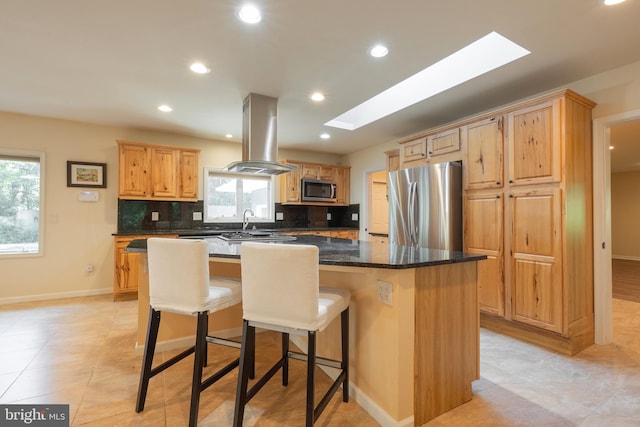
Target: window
[[228, 194], [21, 189]]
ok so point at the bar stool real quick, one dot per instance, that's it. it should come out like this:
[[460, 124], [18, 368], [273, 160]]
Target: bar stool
[[281, 292], [179, 283]]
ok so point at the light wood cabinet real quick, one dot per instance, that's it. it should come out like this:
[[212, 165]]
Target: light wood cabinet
[[429, 148], [535, 225], [535, 143], [318, 171], [483, 234], [153, 172], [483, 165], [290, 191], [413, 150], [188, 173], [343, 184], [393, 160], [125, 281], [443, 142], [536, 258], [342, 234]]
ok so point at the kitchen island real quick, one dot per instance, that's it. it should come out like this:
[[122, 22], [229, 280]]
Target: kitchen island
[[414, 323]]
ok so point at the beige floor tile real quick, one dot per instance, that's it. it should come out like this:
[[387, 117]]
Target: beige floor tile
[[63, 355]]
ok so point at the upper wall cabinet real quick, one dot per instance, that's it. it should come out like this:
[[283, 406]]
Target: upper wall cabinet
[[432, 148], [535, 143], [154, 172], [483, 142]]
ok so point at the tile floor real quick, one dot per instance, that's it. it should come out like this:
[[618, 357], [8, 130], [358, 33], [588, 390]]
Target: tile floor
[[80, 351]]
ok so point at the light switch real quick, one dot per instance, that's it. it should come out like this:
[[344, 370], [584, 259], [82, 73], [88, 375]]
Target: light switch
[[354, 217], [279, 216], [155, 216], [328, 216], [197, 216]]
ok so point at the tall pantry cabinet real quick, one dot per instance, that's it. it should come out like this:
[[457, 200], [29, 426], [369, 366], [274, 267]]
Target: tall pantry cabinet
[[528, 207]]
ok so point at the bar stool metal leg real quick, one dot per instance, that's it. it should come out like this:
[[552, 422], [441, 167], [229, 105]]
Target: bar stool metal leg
[[149, 348], [311, 366], [198, 364], [344, 326]]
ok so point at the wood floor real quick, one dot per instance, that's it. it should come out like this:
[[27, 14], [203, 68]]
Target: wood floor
[[626, 279]]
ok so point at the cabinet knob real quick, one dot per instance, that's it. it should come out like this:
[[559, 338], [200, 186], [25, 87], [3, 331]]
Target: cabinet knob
[[511, 196], [497, 196], [510, 181], [497, 182]]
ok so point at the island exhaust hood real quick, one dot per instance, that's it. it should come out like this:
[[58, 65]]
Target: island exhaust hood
[[259, 137]]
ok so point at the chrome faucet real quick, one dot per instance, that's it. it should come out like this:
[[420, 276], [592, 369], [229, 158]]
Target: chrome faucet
[[245, 219]]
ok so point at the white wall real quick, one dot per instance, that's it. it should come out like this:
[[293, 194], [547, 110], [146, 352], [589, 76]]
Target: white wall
[[80, 233], [625, 205]]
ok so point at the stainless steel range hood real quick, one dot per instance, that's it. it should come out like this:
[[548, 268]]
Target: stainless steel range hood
[[259, 137]]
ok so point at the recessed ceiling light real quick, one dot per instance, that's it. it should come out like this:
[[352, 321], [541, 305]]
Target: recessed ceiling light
[[250, 14], [611, 147], [378, 51], [325, 136], [317, 96], [199, 68], [229, 135], [483, 55], [612, 2], [165, 108]]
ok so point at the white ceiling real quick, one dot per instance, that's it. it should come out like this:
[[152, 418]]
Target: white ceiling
[[113, 62]]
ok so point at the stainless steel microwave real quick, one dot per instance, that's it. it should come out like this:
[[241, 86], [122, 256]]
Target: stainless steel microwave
[[318, 191]]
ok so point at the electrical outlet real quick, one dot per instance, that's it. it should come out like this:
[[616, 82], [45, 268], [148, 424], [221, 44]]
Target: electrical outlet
[[354, 217], [279, 216], [328, 216], [155, 216], [89, 268], [197, 216], [385, 292]]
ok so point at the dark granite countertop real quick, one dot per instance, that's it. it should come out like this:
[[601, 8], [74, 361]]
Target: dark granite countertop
[[348, 253], [217, 232]]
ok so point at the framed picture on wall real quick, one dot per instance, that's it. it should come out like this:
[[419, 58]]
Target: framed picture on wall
[[86, 174]]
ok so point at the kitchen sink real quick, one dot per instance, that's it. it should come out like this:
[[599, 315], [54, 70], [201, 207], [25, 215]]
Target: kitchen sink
[[254, 236]]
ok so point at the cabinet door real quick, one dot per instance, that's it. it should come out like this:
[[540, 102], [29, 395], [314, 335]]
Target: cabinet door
[[134, 164], [483, 234], [443, 142], [393, 160], [535, 144], [536, 264], [164, 172], [126, 272], [310, 171], [483, 154], [188, 175], [290, 186], [413, 150], [342, 179]]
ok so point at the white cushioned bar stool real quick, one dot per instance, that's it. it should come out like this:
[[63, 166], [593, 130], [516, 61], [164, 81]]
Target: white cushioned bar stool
[[179, 282], [281, 292]]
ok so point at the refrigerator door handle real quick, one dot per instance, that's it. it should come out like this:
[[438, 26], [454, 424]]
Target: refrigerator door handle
[[413, 186]]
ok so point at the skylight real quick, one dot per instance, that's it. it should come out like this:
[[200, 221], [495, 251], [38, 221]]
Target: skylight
[[485, 54]]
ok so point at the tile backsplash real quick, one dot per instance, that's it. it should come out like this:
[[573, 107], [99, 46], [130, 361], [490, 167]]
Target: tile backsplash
[[137, 216]]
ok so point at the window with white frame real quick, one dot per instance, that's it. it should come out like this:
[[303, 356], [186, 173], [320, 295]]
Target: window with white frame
[[21, 188], [228, 194]]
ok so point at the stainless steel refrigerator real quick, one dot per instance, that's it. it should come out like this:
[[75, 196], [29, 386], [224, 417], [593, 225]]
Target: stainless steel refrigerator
[[425, 206]]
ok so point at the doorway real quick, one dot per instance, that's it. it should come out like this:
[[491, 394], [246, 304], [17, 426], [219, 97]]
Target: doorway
[[377, 225], [602, 221]]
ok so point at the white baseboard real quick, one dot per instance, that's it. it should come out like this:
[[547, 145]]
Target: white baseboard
[[185, 342], [361, 398], [58, 295], [628, 258]]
